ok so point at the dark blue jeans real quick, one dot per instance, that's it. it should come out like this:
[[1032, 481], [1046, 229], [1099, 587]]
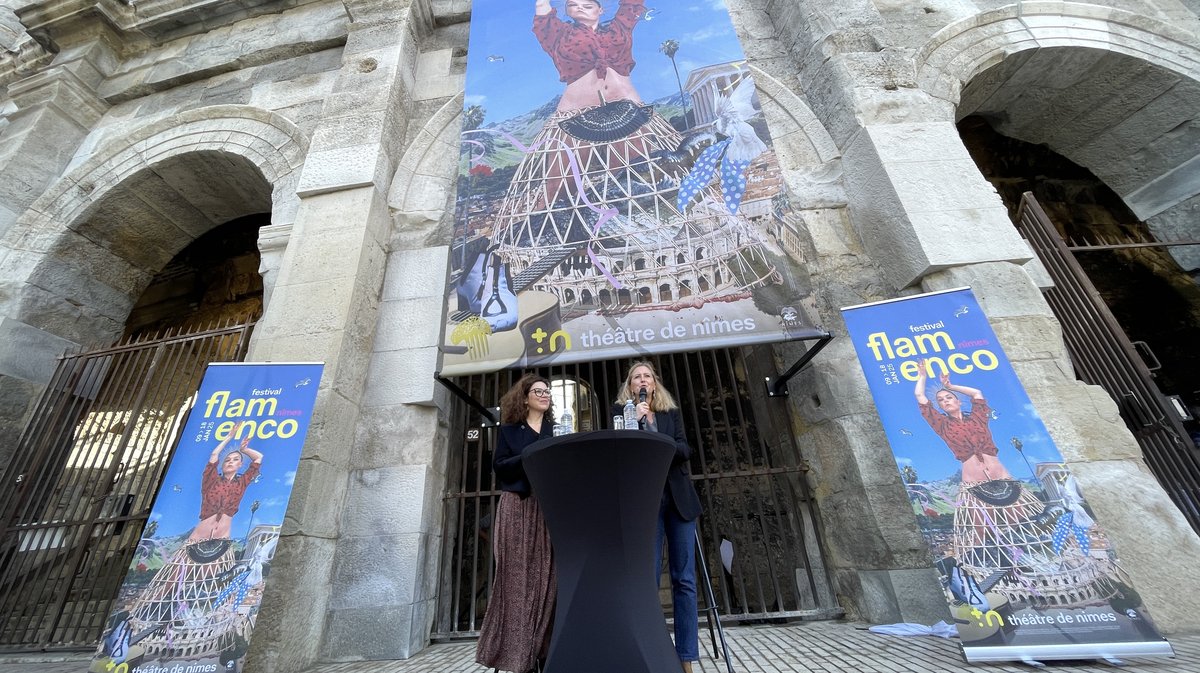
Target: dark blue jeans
[[680, 536]]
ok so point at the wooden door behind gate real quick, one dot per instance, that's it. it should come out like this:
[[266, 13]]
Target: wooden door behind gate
[[77, 493]]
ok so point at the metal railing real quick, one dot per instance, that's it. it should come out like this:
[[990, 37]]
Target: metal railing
[[77, 493], [1104, 356], [746, 466]]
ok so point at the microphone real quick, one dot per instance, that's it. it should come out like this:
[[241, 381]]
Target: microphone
[[642, 398]]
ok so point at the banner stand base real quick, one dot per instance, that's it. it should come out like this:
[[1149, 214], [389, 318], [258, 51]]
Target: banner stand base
[[1034, 655]]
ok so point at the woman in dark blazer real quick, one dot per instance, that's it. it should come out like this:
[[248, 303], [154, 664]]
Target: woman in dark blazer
[[680, 503], [515, 634]]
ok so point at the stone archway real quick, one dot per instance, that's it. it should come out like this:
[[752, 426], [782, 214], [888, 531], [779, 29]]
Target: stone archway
[[1114, 91], [1118, 94], [74, 263], [77, 257]]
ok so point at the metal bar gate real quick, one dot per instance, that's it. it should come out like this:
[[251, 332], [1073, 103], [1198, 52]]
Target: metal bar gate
[[1104, 356], [746, 466], [78, 490]]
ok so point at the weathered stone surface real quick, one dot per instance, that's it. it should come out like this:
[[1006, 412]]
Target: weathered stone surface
[[1142, 522], [1179, 222], [417, 273], [17, 398], [861, 97], [918, 201], [289, 616], [402, 377], [891, 596], [317, 489], [386, 500], [377, 570], [370, 633], [29, 354], [402, 434]]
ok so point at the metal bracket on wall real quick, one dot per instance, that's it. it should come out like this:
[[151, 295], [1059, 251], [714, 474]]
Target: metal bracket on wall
[[490, 415], [777, 387]]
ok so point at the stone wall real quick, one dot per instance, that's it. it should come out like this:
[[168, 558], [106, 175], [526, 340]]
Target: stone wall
[[342, 119]]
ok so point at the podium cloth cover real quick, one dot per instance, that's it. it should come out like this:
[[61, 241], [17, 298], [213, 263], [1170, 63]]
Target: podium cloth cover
[[600, 493]]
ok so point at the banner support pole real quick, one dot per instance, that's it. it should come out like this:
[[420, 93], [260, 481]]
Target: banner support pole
[[489, 419], [777, 387]]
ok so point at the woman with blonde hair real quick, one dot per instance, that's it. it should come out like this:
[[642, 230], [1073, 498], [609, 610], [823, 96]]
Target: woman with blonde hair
[[658, 412], [515, 634]]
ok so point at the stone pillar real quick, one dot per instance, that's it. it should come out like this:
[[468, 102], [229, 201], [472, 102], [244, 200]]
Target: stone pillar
[[324, 306], [55, 110], [387, 563], [920, 204]]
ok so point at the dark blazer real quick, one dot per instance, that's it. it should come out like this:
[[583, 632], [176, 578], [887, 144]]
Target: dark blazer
[[506, 461], [679, 476]]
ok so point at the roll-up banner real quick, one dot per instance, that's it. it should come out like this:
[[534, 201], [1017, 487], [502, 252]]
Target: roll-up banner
[[190, 599], [1027, 570], [618, 189]]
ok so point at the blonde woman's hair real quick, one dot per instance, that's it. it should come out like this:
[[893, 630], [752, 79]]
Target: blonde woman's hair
[[662, 401]]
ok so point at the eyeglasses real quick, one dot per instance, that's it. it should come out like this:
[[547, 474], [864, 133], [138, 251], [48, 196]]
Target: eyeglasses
[[540, 392]]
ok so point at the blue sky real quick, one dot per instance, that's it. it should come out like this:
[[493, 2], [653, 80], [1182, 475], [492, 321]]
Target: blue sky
[[913, 441], [526, 77]]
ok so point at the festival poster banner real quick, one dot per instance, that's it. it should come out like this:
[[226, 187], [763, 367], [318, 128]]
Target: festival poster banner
[[618, 190], [1027, 571], [190, 599]]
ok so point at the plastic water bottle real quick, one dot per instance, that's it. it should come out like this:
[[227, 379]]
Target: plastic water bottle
[[565, 425], [630, 416]]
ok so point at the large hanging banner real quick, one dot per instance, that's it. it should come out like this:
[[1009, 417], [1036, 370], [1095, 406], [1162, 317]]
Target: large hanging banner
[[1027, 571], [618, 191], [190, 599]]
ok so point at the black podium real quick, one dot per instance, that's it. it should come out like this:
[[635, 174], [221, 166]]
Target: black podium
[[600, 493]]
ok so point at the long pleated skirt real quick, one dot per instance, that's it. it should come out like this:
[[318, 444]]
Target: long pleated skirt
[[520, 612]]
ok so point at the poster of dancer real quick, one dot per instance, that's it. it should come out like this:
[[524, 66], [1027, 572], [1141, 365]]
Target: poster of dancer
[[190, 597], [618, 191], [1027, 570]]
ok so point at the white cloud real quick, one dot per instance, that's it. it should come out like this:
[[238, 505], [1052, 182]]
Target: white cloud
[[289, 477], [704, 34], [475, 99]]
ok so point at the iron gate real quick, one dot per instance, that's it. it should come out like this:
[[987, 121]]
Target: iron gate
[[1104, 356], [78, 490], [746, 466]]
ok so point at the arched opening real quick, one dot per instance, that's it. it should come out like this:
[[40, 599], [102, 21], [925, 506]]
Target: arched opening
[[214, 279], [664, 292], [1114, 184], [1154, 300], [624, 298], [167, 259]]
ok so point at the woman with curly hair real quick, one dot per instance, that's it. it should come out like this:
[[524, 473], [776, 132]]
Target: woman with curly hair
[[515, 634]]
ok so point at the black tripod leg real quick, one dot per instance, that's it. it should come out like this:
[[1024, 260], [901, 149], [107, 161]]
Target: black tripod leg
[[714, 619]]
